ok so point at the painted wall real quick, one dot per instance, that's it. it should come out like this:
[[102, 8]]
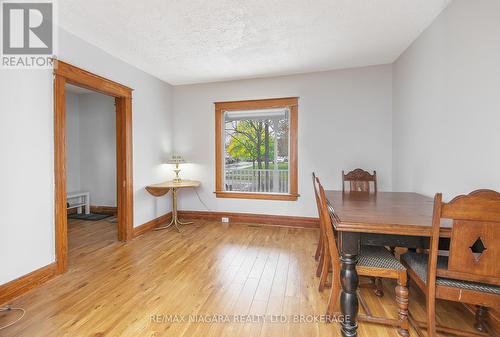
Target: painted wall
[[345, 122], [27, 148], [91, 147], [26, 145], [447, 104], [72, 144]]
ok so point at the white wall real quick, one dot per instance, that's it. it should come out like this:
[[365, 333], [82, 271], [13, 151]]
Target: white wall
[[91, 146], [447, 104], [97, 132], [344, 123], [26, 145], [72, 143]]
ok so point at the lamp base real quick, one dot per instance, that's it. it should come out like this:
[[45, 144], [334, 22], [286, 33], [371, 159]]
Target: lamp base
[[177, 179]]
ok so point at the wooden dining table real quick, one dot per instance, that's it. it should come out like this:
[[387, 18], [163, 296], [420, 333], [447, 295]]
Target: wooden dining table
[[394, 219]]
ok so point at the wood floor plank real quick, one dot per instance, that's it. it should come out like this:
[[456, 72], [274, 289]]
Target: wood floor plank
[[117, 289]]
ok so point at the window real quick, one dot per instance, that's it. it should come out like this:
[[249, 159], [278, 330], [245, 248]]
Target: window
[[256, 149]]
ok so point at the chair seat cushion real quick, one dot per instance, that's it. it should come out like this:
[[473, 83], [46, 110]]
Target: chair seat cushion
[[418, 263], [378, 257]]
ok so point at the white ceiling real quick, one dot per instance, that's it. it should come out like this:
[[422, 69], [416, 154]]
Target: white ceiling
[[196, 41]]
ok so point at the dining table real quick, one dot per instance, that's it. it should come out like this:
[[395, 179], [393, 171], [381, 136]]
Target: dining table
[[390, 219]]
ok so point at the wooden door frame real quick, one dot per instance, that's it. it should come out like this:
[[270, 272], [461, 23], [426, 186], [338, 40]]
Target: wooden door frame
[[66, 73]]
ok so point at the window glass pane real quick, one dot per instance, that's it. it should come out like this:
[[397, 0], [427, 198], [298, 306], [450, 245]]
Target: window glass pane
[[256, 147]]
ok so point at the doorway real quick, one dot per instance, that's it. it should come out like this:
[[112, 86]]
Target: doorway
[[64, 74]]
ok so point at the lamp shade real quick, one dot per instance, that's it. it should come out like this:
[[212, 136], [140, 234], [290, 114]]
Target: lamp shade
[[175, 159]]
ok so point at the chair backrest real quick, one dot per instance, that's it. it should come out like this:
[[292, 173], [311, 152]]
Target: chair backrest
[[359, 180], [326, 224], [318, 205], [474, 246]]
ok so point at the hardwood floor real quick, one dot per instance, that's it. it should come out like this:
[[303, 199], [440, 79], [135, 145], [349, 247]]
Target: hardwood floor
[[117, 289]]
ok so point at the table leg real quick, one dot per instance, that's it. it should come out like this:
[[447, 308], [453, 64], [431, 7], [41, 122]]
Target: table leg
[[174, 213], [349, 251], [175, 218]]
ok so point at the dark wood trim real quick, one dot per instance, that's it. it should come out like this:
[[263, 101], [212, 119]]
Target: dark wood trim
[[124, 165], [61, 222], [288, 102], [219, 151], [262, 196], [88, 80], [66, 73], [19, 286], [104, 209], [150, 225], [251, 104], [263, 219]]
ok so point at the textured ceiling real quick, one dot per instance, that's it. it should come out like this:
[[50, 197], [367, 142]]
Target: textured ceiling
[[192, 41]]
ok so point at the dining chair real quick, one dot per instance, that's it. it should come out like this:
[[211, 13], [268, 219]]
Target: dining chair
[[471, 272], [318, 256], [372, 261], [359, 180]]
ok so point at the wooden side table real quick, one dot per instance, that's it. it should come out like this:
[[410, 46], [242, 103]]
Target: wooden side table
[[161, 189]]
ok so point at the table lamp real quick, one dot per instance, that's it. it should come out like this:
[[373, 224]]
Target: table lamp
[[176, 160]]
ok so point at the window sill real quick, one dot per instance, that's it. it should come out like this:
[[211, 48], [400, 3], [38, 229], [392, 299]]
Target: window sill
[[261, 196]]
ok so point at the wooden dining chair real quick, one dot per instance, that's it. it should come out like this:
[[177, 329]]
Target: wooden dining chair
[[372, 261], [471, 271], [359, 180], [318, 256]]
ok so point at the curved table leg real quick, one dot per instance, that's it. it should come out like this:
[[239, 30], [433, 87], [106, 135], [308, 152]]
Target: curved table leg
[[175, 218], [184, 222], [166, 226]]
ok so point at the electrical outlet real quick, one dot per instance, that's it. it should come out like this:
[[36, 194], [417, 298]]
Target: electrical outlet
[[225, 219]]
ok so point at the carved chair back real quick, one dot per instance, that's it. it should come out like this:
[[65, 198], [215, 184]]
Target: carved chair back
[[359, 180], [474, 253]]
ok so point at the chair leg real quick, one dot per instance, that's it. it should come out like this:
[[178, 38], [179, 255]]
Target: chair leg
[[379, 288], [334, 296], [431, 315], [481, 313], [402, 300], [319, 248], [325, 268]]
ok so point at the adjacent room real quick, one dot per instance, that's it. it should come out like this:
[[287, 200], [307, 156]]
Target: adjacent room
[[90, 170], [256, 169]]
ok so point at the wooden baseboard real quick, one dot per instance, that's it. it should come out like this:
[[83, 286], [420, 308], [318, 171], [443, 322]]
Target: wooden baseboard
[[263, 219], [104, 209], [150, 225], [19, 286], [276, 220]]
